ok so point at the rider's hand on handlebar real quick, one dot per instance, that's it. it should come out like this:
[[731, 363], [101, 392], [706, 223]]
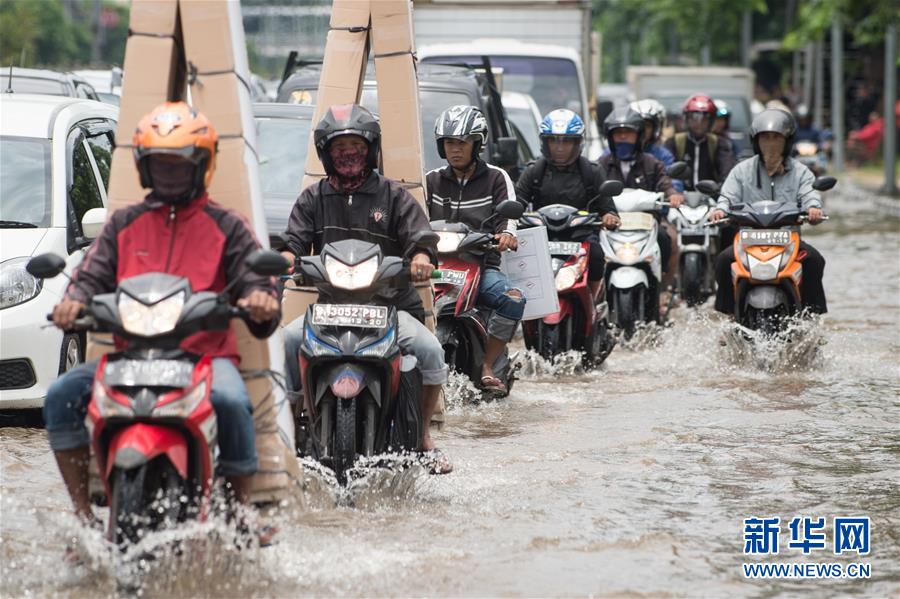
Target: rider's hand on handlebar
[[290, 258], [420, 267], [65, 313], [676, 200], [815, 216], [261, 306], [505, 241], [611, 221], [716, 215]]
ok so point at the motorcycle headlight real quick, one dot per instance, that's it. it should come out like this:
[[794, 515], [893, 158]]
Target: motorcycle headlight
[[317, 347], [741, 256], [628, 253], [569, 275], [449, 241], [786, 255], [343, 276], [16, 285], [184, 405], [378, 347], [149, 321], [580, 220]]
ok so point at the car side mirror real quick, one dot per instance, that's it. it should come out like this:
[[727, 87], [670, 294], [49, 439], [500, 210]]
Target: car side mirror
[[267, 263], [507, 152], [677, 170], [45, 266], [824, 183], [510, 209], [92, 223], [707, 187], [425, 239], [611, 188]]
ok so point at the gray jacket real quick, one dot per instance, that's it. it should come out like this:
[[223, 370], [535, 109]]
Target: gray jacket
[[749, 183]]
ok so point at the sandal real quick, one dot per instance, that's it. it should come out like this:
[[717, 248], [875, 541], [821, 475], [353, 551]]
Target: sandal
[[436, 462], [493, 385]]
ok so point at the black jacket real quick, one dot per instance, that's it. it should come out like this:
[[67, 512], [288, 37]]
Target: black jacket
[[698, 158], [647, 172], [381, 212], [473, 202], [564, 185]]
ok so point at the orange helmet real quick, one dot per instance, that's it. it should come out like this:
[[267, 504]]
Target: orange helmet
[[177, 129]]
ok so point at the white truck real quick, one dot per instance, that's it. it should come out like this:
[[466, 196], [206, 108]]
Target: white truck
[[545, 48]]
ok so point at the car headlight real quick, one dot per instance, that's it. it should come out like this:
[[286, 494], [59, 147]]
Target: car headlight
[[568, 275], [16, 285], [628, 253], [449, 241], [358, 276], [149, 321]]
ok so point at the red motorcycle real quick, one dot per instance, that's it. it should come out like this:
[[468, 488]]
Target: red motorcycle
[[151, 421]]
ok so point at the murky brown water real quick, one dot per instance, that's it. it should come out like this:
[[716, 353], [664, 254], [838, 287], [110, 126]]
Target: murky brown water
[[630, 481]]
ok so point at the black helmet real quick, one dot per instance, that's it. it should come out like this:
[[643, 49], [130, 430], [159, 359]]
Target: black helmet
[[461, 122], [347, 119], [623, 117], [776, 121]]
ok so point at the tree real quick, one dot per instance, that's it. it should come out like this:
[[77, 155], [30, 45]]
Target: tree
[[865, 19]]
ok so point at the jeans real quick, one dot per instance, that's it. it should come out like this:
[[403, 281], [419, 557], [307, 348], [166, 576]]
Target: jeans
[[506, 310], [67, 400], [413, 337]]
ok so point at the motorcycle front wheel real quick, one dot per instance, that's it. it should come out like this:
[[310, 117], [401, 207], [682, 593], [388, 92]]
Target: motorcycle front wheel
[[344, 437]]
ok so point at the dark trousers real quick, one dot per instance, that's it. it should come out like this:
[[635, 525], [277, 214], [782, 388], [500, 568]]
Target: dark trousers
[[812, 294]]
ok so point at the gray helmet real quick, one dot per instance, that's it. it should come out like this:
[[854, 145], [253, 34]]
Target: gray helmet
[[773, 120], [623, 117], [461, 122], [347, 119]]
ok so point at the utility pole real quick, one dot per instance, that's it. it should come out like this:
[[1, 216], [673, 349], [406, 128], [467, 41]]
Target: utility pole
[[890, 117], [746, 35], [808, 75], [819, 93], [837, 92]]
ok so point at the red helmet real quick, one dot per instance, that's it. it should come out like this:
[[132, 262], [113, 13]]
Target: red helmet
[[700, 103]]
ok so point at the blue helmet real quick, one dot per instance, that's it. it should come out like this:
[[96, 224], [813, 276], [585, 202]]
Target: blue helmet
[[562, 123]]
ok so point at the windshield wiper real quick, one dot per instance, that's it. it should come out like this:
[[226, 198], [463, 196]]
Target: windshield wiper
[[15, 224]]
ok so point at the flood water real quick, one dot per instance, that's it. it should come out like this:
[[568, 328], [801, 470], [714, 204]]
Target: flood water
[[630, 481]]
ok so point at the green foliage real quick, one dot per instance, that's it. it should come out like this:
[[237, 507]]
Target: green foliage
[[865, 19]]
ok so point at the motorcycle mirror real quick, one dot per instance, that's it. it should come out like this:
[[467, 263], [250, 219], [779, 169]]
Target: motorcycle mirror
[[707, 187], [677, 170], [824, 183], [611, 188], [267, 263], [425, 239], [45, 266], [510, 209], [507, 151]]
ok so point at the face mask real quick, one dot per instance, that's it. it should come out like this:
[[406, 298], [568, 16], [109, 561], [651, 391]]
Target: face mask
[[173, 181], [624, 150], [772, 150], [350, 168]]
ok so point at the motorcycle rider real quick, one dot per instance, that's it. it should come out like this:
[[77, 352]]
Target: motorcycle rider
[[624, 131], [772, 175], [561, 175], [356, 202], [180, 230], [466, 191], [698, 146], [723, 119], [806, 130], [654, 115]]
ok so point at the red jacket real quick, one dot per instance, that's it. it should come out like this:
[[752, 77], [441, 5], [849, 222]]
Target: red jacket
[[201, 240]]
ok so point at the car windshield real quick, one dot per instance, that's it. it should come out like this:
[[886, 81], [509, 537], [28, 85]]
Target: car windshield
[[431, 104], [25, 181], [552, 82], [30, 85], [282, 160], [523, 119]]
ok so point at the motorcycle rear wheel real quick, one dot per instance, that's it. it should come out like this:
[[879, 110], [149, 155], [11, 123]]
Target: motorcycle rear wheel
[[692, 279]]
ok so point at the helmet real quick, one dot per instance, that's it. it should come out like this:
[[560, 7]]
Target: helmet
[[722, 109], [347, 119], [462, 122], [801, 112], [624, 117], [700, 103], [562, 123], [653, 111], [176, 129], [776, 121]]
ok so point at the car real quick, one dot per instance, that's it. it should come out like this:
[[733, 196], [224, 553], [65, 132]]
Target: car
[[42, 81], [107, 83], [522, 111], [55, 158]]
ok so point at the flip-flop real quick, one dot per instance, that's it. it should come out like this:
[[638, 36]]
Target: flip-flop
[[493, 384], [436, 462]]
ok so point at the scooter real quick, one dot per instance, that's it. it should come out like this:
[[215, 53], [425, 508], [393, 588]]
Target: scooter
[[698, 246], [461, 323], [150, 418], [582, 322], [361, 397], [812, 156]]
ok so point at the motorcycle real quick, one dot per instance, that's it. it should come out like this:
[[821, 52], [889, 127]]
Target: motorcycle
[[582, 322], [810, 155], [767, 271], [361, 397], [698, 246], [150, 417], [461, 323]]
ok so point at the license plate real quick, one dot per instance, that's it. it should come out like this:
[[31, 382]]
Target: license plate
[[765, 237], [564, 248], [350, 315], [148, 373], [451, 277]]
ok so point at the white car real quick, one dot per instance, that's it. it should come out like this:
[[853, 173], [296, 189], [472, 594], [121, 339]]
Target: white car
[[55, 157]]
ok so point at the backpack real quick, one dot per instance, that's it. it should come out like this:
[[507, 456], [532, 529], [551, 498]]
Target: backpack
[[712, 143], [584, 170]]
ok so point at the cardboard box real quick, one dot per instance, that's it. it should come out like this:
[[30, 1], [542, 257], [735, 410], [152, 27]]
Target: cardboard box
[[350, 13], [295, 301], [214, 36], [392, 27], [153, 75], [154, 17], [220, 98], [529, 268], [124, 182]]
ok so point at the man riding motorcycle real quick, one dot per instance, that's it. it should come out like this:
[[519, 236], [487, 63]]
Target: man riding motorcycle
[[466, 191], [654, 115], [624, 131], [772, 175], [563, 176], [356, 202], [180, 230], [706, 154]]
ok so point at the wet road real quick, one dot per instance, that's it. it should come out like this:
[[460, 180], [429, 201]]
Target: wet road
[[633, 480]]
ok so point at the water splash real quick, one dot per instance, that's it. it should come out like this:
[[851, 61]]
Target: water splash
[[459, 391], [798, 347], [535, 367], [372, 481]]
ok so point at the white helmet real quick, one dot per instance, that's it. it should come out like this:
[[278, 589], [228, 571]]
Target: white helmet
[[653, 111]]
